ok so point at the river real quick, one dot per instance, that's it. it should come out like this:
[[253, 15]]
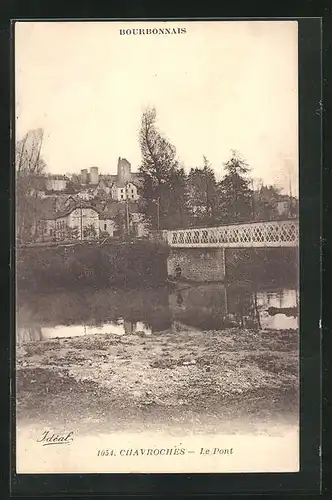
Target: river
[[151, 312], [169, 369]]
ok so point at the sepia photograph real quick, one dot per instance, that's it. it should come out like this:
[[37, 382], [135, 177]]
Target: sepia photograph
[[157, 247]]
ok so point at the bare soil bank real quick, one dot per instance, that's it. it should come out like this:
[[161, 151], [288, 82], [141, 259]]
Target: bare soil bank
[[195, 381]]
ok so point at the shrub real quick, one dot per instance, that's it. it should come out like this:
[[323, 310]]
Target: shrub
[[132, 263]]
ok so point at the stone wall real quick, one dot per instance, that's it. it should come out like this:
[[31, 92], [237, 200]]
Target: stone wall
[[198, 264]]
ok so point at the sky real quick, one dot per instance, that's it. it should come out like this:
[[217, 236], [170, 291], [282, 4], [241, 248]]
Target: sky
[[220, 86]]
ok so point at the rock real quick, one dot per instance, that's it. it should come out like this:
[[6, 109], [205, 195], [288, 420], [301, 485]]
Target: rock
[[192, 362]]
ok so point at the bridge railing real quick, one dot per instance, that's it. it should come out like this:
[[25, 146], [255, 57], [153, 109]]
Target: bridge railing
[[255, 234]]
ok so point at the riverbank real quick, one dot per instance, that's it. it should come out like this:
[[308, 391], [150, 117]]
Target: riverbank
[[118, 263], [185, 380]]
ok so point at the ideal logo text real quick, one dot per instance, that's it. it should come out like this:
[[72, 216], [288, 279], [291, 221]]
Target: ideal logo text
[[49, 438]]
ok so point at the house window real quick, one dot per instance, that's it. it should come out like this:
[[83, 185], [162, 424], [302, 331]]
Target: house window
[[122, 197], [121, 190], [105, 227]]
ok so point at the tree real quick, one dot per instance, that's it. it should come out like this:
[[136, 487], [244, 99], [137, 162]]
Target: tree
[[29, 166], [70, 188], [235, 194], [163, 179], [75, 182], [120, 223], [266, 200], [122, 220], [90, 232], [71, 233], [202, 195], [104, 234]]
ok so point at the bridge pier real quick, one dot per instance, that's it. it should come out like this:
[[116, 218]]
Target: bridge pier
[[198, 264]]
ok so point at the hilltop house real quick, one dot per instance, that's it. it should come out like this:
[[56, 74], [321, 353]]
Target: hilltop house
[[122, 191], [56, 183], [102, 190], [125, 186], [89, 205], [120, 187]]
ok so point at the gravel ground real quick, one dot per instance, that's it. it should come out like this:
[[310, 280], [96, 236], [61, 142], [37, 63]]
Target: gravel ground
[[185, 380]]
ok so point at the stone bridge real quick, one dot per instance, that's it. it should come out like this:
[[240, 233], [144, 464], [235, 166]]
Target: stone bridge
[[200, 252]]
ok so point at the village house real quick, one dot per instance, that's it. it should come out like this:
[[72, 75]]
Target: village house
[[81, 220], [58, 201], [95, 205], [77, 221], [115, 217], [121, 191], [103, 190], [124, 187], [287, 206], [56, 182], [86, 193], [108, 222], [91, 185], [120, 187]]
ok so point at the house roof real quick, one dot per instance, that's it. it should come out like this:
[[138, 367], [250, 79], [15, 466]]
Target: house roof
[[53, 214], [105, 182], [119, 184], [122, 184], [58, 177], [86, 188], [113, 208]]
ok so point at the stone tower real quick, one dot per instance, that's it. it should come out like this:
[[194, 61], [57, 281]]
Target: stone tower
[[84, 176], [94, 175], [124, 170]]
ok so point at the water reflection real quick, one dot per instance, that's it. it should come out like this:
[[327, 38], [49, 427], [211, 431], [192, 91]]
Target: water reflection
[[116, 328], [137, 312]]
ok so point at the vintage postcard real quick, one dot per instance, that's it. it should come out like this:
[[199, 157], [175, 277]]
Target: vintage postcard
[[157, 243]]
